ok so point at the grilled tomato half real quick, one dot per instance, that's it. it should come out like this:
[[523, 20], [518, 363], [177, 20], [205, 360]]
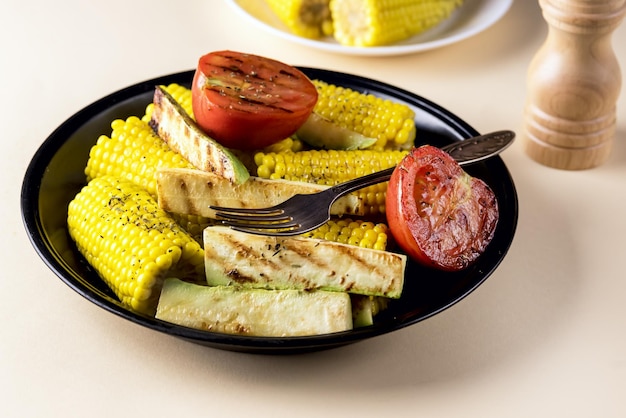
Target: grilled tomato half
[[246, 101], [437, 213]]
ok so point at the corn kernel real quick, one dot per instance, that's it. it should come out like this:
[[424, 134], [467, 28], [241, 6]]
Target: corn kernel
[[366, 243], [331, 236]]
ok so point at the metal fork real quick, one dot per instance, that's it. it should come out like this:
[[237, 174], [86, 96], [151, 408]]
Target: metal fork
[[304, 212]]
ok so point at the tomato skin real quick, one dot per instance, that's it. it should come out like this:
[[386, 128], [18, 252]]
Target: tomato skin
[[245, 101], [437, 213]]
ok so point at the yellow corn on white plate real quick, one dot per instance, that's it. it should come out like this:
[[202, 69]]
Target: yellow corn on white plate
[[473, 17], [56, 174]]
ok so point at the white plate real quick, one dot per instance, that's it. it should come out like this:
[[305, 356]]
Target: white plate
[[473, 17]]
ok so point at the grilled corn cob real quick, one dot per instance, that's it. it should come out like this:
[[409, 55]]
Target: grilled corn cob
[[324, 166], [132, 243], [367, 23], [306, 18], [391, 123], [330, 167]]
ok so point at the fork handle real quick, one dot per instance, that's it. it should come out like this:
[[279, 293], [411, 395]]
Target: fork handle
[[464, 152]]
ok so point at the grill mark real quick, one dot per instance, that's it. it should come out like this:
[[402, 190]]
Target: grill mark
[[244, 250], [305, 252], [352, 253], [207, 157], [237, 67], [251, 101], [231, 69], [226, 55], [288, 73], [258, 81]]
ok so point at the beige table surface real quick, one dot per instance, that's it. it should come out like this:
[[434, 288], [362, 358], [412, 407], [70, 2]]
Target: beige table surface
[[545, 336]]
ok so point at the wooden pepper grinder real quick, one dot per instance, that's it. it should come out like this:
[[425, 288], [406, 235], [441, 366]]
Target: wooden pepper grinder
[[574, 81]]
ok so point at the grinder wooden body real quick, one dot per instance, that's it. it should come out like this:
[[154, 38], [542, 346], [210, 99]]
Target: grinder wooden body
[[574, 82]]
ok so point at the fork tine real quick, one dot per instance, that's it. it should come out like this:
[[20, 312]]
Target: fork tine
[[279, 217], [260, 211], [263, 226], [296, 229]]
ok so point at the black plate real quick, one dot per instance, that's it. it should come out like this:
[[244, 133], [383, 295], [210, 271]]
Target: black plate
[[55, 175]]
